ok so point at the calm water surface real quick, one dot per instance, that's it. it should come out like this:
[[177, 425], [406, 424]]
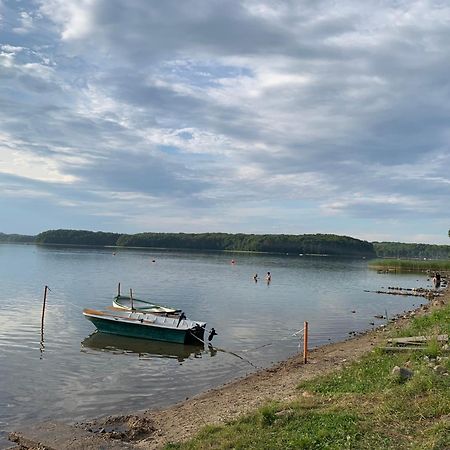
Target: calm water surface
[[78, 374]]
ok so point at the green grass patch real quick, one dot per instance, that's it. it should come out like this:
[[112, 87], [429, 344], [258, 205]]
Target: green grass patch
[[434, 323], [371, 374], [291, 428]]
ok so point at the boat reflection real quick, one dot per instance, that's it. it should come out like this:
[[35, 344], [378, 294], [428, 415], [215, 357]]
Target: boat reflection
[[144, 348]]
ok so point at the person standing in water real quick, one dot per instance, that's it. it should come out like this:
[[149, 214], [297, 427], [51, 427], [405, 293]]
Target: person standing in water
[[437, 280], [268, 277], [255, 277]]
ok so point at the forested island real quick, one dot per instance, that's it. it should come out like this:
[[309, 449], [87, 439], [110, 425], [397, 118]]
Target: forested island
[[316, 244]]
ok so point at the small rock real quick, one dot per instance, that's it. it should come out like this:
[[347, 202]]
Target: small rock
[[284, 412], [439, 369], [307, 394], [402, 373]]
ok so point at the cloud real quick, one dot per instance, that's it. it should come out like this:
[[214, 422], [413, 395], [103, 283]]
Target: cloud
[[316, 111]]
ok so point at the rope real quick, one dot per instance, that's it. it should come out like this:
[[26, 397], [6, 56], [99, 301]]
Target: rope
[[62, 299], [224, 351], [297, 333]]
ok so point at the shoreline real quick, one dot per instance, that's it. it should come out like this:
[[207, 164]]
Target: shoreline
[[153, 428]]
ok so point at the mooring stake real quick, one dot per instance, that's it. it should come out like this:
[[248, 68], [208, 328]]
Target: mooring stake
[[42, 346], [43, 310]]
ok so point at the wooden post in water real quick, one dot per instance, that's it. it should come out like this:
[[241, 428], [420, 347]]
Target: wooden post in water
[[42, 318], [43, 308], [131, 299], [118, 290], [305, 342]]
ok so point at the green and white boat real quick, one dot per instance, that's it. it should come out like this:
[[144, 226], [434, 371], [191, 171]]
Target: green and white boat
[[158, 327]]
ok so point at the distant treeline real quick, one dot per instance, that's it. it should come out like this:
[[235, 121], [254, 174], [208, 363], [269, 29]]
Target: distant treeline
[[400, 250], [77, 237], [307, 244], [17, 238], [328, 244]]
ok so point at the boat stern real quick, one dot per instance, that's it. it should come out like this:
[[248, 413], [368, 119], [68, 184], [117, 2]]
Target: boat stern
[[196, 334]]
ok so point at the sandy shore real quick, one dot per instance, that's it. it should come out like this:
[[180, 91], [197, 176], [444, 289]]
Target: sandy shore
[[154, 429]]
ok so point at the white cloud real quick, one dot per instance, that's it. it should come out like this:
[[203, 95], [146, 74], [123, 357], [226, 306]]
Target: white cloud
[[26, 23], [29, 166], [74, 18]]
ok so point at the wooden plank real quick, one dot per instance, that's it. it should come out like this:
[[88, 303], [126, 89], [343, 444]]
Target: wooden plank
[[405, 340], [402, 349], [407, 349]]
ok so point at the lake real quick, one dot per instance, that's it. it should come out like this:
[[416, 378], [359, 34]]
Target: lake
[[77, 374]]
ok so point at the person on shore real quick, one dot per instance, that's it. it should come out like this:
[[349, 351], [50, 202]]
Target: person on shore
[[437, 280]]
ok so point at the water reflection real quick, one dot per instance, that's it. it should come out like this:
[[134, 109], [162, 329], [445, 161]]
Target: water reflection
[[104, 342]]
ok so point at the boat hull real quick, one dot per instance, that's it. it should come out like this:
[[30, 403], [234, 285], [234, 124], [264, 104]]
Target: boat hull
[[137, 330]]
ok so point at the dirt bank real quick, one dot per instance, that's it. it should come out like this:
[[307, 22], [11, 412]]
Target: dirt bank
[[153, 429]]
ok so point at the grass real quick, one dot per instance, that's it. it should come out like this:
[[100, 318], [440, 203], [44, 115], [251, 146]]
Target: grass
[[434, 323], [410, 264], [362, 406]]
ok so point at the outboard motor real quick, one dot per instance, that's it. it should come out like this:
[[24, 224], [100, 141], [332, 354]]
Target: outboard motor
[[212, 333]]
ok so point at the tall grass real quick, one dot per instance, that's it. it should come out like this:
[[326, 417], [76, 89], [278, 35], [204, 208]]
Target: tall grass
[[410, 264]]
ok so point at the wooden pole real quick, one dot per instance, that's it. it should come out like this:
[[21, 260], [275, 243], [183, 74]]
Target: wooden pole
[[43, 309], [131, 298], [41, 346], [118, 290], [305, 342]]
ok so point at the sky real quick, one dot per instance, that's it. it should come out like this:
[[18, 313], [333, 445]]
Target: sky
[[231, 116]]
